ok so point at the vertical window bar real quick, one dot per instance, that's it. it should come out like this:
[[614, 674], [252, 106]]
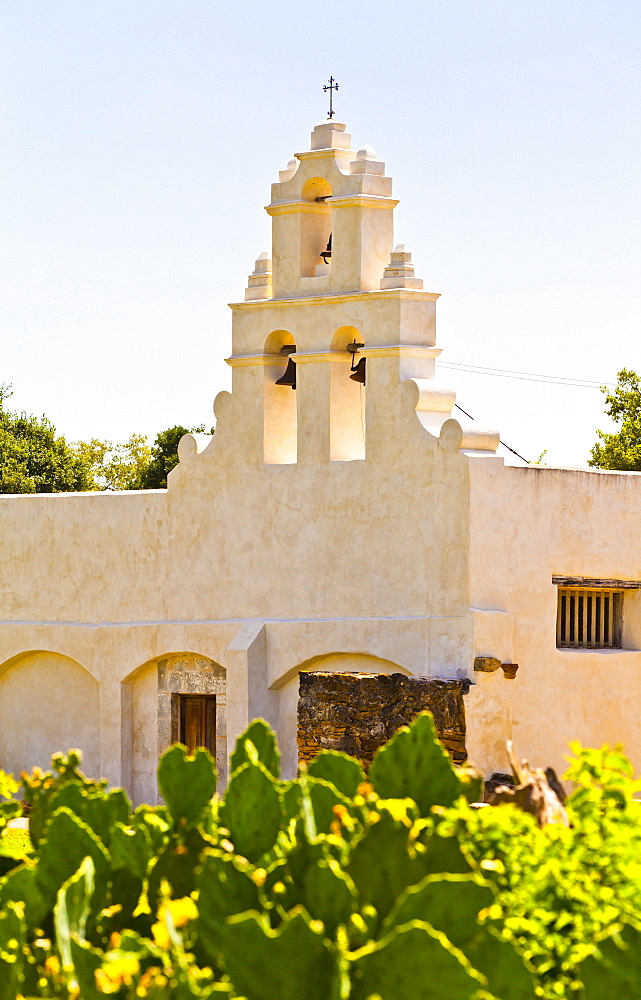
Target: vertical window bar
[[586, 636], [560, 619], [589, 619], [617, 618], [582, 619], [599, 633], [570, 619]]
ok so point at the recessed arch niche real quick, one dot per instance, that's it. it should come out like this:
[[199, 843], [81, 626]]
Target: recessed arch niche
[[346, 401], [49, 703], [315, 225], [336, 662], [279, 401]]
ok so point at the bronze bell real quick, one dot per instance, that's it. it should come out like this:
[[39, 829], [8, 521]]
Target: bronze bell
[[359, 372], [327, 252], [289, 375]]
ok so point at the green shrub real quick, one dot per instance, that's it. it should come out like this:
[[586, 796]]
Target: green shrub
[[329, 887]]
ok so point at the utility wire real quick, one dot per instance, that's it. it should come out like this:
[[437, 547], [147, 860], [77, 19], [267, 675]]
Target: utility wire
[[524, 376], [500, 442], [508, 371]]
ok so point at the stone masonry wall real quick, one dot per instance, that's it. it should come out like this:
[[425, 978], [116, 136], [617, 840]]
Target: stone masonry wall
[[357, 713]]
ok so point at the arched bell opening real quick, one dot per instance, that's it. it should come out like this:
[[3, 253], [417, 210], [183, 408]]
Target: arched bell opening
[[347, 396], [279, 399], [315, 228]]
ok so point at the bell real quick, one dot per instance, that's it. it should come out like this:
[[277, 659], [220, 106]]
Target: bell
[[289, 375], [359, 372], [327, 252]]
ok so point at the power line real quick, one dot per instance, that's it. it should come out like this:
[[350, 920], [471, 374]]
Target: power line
[[500, 442], [524, 376], [508, 371]]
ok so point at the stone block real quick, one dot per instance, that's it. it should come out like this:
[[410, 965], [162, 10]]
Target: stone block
[[221, 720], [221, 764], [164, 735], [176, 680], [193, 682], [175, 718], [212, 683], [162, 675], [486, 664]]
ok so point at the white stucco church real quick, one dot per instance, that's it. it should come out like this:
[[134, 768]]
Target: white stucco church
[[331, 522]]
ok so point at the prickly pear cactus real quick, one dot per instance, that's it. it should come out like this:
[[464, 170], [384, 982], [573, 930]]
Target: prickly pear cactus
[[257, 743], [340, 770], [414, 962], [415, 764], [13, 937], [328, 887], [252, 810], [291, 962], [187, 784]]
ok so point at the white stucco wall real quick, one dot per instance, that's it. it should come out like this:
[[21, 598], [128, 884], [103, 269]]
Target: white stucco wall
[[340, 524], [526, 525]]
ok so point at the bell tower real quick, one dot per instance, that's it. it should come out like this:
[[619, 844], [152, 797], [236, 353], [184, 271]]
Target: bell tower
[[335, 319], [331, 191]]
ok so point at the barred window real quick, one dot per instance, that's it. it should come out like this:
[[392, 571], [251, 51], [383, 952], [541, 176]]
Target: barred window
[[589, 619]]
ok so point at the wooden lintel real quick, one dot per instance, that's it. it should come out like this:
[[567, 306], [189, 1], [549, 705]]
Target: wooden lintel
[[587, 582]]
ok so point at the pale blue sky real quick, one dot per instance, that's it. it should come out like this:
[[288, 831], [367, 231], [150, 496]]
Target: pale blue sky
[[140, 139]]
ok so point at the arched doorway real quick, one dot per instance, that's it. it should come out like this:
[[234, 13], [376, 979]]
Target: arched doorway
[[192, 706]]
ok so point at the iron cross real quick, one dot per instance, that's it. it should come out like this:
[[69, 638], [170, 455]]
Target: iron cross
[[332, 85]]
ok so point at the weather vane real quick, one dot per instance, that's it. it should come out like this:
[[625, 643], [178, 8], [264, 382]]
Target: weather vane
[[331, 86]]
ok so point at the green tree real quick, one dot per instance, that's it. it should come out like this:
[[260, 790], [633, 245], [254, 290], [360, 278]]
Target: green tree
[[115, 466], [164, 456], [621, 450], [34, 459], [133, 465]]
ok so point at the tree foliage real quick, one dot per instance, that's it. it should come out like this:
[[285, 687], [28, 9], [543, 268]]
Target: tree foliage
[[164, 456], [621, 450], [134, 465], [317, 888], [34, 459], [115, 466]]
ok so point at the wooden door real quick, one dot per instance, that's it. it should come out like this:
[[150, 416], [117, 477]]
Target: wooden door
[[198, 722]]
